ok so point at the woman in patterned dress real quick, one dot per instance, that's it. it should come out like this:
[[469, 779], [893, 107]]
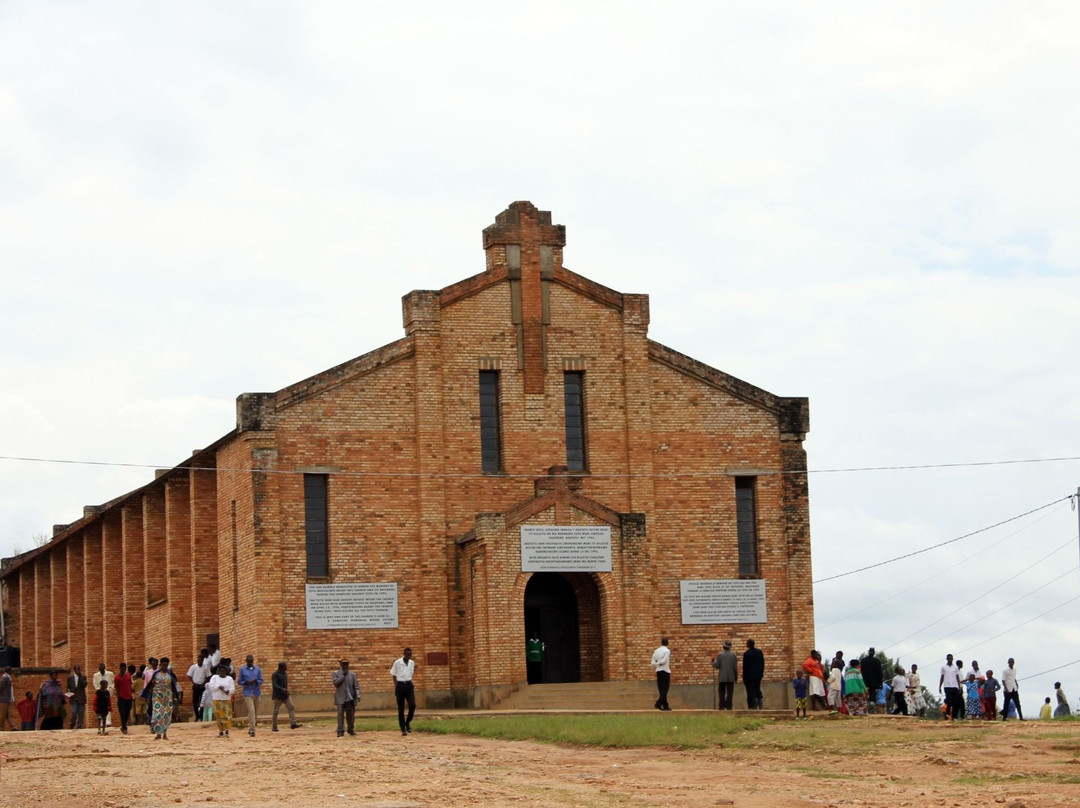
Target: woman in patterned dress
[[163, 691], [974, 697], [855, 689]]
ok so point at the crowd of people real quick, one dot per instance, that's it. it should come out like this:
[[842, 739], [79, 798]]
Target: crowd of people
[[152, 694], [860, 686]]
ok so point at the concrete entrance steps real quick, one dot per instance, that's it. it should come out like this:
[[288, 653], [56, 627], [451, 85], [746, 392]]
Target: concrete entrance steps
[[616, 696]]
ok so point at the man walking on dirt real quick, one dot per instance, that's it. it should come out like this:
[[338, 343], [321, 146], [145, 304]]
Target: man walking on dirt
[[1012, 692], [346, 695]]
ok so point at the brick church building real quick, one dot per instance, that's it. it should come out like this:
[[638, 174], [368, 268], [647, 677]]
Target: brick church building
[[525, 459]]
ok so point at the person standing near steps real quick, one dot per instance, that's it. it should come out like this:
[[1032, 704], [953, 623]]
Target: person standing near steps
[[661, 661]]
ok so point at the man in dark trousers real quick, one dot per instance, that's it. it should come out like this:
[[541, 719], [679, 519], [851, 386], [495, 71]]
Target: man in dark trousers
[[872, 675], [279, 682], [76, 686], [728, 665], [346, 695], [753, 671], [402, 673]]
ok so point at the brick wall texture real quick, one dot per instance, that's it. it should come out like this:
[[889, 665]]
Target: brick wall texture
[[216, 545]]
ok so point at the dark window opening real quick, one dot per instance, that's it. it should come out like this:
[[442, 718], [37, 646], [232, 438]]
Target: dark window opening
[[574, 396], [315, 519], [490, 441], [746, 524]]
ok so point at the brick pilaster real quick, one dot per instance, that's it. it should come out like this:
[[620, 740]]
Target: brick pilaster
[[113, 590], [204, 538], [43, 609], [178, 565], [134, 581], [426, 595], [95, 613], [76, 599]]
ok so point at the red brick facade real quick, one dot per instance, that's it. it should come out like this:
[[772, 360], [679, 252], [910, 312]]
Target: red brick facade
[[216, 545]]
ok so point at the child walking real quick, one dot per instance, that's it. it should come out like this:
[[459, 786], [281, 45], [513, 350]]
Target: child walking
[[27, 712], [799, 685], [102, 706]]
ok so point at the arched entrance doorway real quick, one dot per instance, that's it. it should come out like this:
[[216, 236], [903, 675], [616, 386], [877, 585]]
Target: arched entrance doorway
[[564, 609]]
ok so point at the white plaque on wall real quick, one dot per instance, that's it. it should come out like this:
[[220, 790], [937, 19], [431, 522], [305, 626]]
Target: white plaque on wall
[[723, 601], [352, 605], [565, 549]]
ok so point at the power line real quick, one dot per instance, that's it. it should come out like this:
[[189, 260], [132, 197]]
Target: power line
[[1020, 625], [428, 475], [1051, 670], [989, 614], [938, 574], [940, 544]]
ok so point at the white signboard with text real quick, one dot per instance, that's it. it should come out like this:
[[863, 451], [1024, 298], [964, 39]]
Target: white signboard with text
[[722, 601], [565, 549], [352, 605]]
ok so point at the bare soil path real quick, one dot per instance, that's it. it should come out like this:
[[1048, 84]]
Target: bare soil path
[[871, 762]]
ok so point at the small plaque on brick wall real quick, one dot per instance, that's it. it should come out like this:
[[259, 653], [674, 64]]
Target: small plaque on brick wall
[[723, 601], [438, 658], [546, 548], [352, 605]]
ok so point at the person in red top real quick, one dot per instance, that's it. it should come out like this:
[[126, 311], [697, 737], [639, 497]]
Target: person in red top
[[124, 695], [815, 675], [27, 711]]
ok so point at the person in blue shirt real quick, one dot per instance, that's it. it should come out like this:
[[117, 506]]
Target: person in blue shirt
[[799, 684], [250, 679]]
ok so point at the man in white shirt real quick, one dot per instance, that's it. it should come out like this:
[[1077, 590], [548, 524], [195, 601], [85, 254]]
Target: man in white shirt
[[661, 660], [950, 679], [1012, 692], [402, 673]]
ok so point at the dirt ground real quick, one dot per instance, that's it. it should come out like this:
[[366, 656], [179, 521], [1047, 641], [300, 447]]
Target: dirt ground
[[886, 762]]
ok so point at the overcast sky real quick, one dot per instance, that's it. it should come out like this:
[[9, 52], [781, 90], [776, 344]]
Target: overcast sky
[[873, 205]]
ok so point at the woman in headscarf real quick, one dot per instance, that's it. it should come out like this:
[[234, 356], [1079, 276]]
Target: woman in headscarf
[[815, 673], [855, 689], [51, 703], [162, 697], [1062, 710]]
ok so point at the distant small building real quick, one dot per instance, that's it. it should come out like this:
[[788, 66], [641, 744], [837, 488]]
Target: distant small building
[[524, 458]]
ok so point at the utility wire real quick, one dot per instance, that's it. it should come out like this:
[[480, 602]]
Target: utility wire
[[1051, 670], [848, 615], [1019, 625], [940, 544], [674, 475], [996, 611]]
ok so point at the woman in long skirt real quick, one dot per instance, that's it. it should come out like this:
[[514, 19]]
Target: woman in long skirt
[[974, 697], [51, 703], [855, 690], [161, 701]]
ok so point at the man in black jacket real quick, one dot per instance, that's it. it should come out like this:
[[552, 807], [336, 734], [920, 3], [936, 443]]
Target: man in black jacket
[[753, 671], [871, 674], [279, 681]]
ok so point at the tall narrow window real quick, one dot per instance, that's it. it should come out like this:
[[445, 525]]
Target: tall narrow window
[[315, 518], [574, 395], [746, 524], [490, 444]]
